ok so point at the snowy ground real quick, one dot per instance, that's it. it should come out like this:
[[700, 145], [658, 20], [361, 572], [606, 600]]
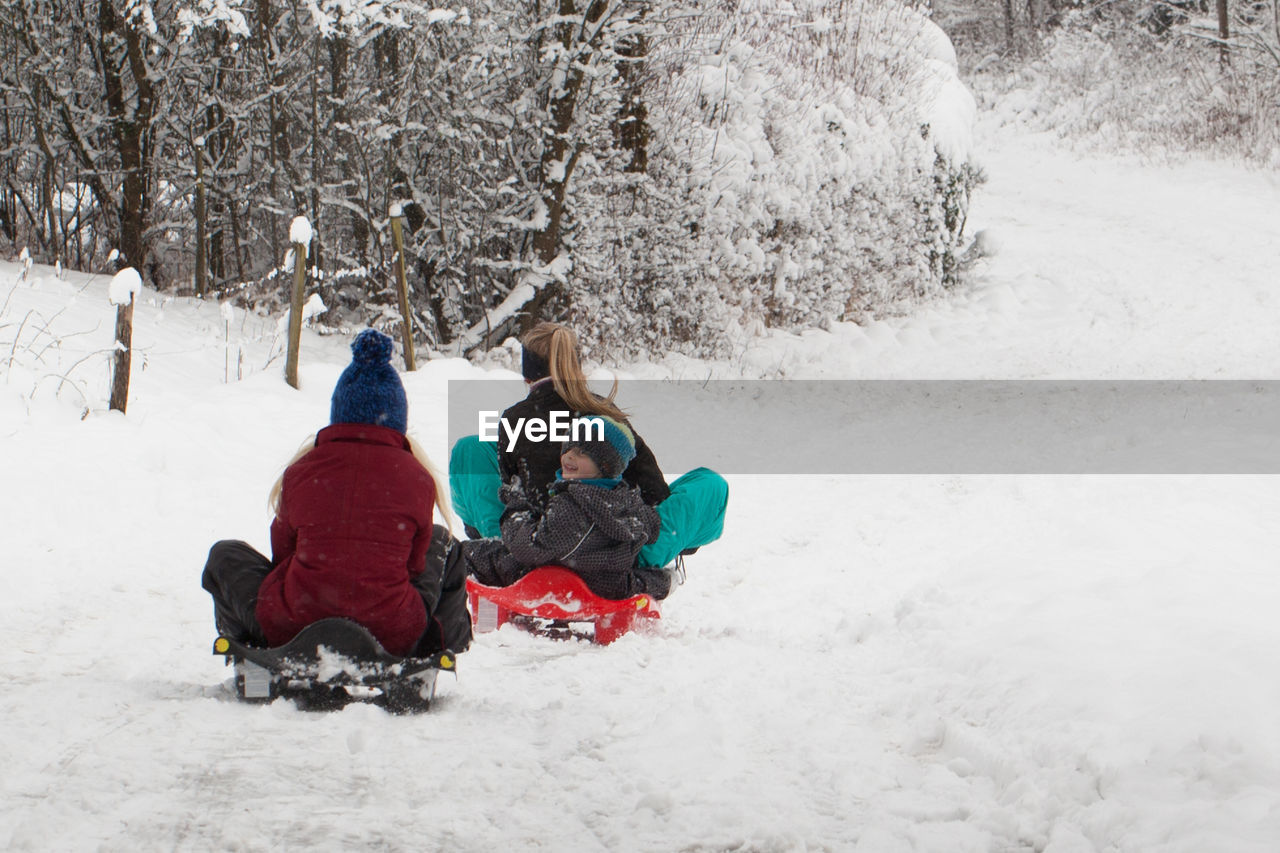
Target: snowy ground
[[1060, 664]]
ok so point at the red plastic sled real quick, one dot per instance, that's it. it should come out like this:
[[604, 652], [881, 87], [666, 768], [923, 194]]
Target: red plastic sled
[[557, 596]]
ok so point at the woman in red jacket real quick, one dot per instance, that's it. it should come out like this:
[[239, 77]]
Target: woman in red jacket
[[353, 533]]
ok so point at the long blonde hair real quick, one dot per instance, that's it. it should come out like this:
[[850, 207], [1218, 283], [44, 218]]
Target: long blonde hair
[[442, 495], [558, 345]]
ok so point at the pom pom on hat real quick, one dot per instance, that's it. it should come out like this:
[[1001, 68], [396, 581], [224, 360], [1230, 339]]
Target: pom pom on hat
[[613, 453], [371, 347], [369, 391]]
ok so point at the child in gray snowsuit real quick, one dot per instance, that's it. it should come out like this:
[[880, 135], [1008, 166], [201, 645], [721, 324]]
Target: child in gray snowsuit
[[591, 521]]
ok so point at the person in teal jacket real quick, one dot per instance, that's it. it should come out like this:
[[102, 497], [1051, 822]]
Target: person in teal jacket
[[691, 509]]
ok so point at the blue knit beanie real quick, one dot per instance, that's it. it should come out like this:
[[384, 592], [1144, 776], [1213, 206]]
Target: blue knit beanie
[[369, 390], [614, 453]]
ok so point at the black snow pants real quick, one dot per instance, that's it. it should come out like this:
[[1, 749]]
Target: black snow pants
[[235, 570]]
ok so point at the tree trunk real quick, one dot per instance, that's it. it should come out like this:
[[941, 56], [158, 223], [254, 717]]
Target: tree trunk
[[130, 124], [1224, 34], [1035, 14], [556, 164], [318, 166], [344, 139], [1008, 26], [202, 269], [49, 238], [435, 299], [8, 198], [277, 127], [559, 154], [237, 245], [631, 127], [217, 142]]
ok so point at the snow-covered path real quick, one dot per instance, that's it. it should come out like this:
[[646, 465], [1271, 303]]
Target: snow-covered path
[[1129, 270], [1062, 664], [1103, 269]]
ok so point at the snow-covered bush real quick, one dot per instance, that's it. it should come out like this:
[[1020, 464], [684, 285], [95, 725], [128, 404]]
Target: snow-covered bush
[[808, 161]]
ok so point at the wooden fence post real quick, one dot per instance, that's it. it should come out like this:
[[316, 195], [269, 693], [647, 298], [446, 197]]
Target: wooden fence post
[[125, 287], [300, 234], [402, 287]]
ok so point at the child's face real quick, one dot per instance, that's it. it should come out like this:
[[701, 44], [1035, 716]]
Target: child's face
[[576, 465]]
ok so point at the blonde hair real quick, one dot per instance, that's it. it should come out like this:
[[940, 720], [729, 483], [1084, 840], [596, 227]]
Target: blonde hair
[[558, 345], [442, 495], [273, 497]]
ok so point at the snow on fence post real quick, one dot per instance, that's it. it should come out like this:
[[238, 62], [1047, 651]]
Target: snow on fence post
[[402, 288], [300, 236], [124, 289]]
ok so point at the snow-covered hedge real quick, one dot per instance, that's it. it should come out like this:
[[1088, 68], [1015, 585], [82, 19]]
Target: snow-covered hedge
[[802, 171]]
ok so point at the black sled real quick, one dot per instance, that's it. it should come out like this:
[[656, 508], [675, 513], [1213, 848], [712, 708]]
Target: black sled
[[331, 663]]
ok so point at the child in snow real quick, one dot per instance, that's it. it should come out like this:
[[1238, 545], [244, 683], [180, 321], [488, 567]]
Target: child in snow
[[591, 521], [353, 534]]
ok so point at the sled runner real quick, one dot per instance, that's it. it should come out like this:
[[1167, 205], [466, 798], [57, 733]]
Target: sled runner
[[551, 601], [333, 662]]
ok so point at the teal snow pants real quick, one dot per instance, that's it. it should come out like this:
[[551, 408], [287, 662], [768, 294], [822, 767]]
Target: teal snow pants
[[692, 516]]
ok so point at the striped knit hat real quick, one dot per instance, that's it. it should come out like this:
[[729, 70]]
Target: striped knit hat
[[614, 453]]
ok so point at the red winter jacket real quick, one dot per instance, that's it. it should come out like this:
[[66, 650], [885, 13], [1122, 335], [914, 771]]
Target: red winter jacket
[[353, 527]]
